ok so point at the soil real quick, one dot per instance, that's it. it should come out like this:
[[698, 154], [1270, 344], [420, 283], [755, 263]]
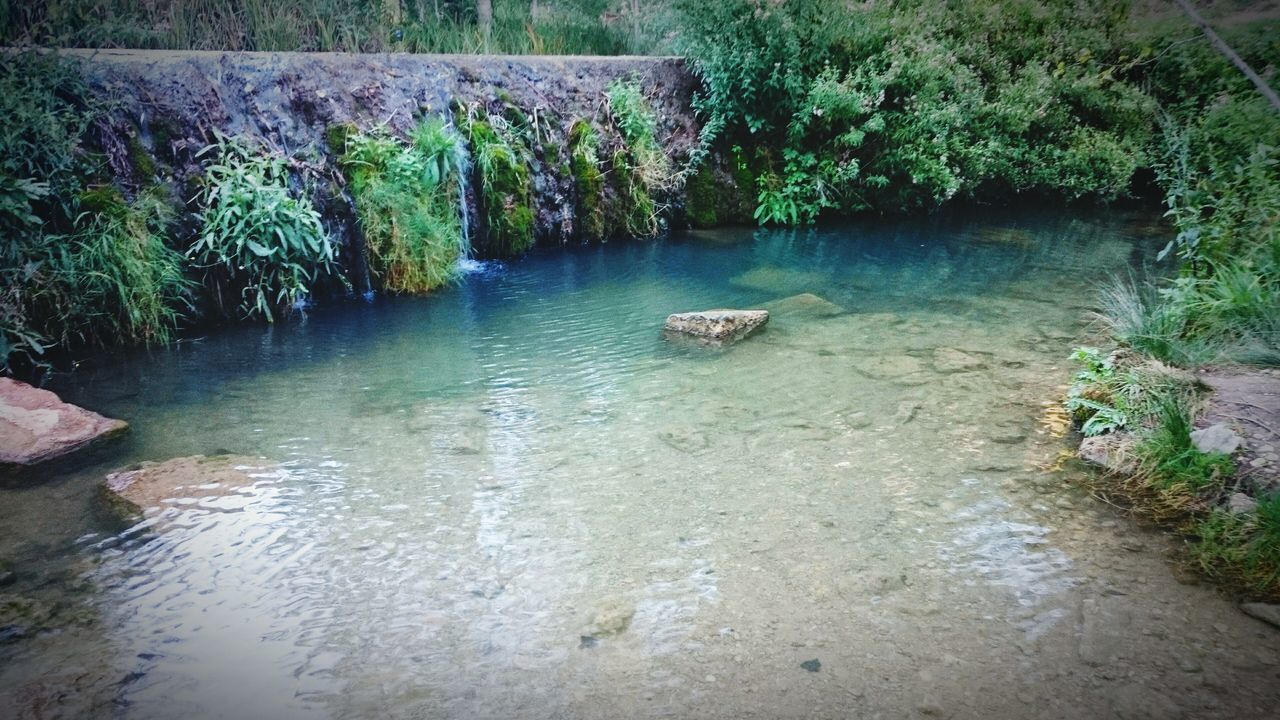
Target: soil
[[1248, 400]]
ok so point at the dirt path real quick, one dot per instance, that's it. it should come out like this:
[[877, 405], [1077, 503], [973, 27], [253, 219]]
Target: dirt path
[[1248, 400]]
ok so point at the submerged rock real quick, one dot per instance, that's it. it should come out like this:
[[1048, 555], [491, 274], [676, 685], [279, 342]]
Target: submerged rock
[[1216, 439], [36, 426], [150, 485], [721, 325], [950, 360], [804, 305], [770, 278], [1113, 452]]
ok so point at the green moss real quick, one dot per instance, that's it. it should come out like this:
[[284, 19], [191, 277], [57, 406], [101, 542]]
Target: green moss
[[144, 166], [502, 162], [337, 136], [587, 179], [631, 210], [701, 198]]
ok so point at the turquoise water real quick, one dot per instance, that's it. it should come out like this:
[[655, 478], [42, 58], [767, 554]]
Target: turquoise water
[[517, 499]]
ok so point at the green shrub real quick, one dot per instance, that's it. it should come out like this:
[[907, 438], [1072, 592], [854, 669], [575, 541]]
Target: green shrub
[[406, 198], [260, 244]]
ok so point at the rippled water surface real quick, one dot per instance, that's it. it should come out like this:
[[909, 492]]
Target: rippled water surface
[[517, 499]]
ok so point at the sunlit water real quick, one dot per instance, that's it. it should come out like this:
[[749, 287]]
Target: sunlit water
[[517, 499]]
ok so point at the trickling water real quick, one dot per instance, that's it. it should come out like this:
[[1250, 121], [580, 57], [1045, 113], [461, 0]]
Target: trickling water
[[515, 499], [464, 211]]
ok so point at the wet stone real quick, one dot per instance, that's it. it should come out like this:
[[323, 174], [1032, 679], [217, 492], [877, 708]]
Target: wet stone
[[811, 665]]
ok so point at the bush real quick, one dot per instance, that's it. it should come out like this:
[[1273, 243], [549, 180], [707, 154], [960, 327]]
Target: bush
[[407, 201], [260, 244]]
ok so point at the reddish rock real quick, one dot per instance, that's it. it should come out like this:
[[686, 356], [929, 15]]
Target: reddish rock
[[36, 426]]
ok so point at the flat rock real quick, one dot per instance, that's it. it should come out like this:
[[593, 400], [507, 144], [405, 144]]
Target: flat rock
[[886, 367], [804, 305], [720, 325], [950, 360], [1113, 452], [36, 426], [1216, 439], [150, 486], [1265, 612]]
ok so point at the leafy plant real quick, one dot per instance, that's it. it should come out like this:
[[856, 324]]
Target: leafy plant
[[260, 243], [406, 198]]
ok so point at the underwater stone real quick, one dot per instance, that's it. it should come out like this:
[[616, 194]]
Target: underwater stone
[[36, 426], [804, 304], [720, 325], [1265, 612], [150, 485]]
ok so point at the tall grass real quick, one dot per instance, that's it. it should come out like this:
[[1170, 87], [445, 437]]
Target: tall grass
[[406, 199], [446, 26], [1244, 548]]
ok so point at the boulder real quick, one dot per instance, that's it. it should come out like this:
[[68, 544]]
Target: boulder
[[1265, 612], [149, 486], [804, 305], [717, 325], [1216, 439], [1112, 452], [36, 426]]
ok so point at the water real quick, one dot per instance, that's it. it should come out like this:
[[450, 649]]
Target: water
[[516, 499]]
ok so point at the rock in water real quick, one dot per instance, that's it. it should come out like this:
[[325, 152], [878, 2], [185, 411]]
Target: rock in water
[[950, 360], [804, 305], [36, 426], [720, 326], [1216, 439], [149, 485]]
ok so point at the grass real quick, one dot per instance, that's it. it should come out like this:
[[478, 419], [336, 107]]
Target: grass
[[1242, 548], [1232, 315], [578, 27], [406, 198], [641, 171]]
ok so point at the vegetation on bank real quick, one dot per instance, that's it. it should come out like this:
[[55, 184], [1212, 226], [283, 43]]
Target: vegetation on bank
[[406, 198]]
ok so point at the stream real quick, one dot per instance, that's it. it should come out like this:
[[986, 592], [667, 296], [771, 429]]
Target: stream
[[516, 499]]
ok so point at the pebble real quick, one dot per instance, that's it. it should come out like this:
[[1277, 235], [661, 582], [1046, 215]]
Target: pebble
[[1064, 503], [811, 665], [710, 678], [1189, 665]]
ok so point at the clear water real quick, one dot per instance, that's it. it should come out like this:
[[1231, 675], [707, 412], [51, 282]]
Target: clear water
[[517, 499]]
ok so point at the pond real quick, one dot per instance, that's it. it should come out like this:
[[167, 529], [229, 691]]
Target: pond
[[515, 498]]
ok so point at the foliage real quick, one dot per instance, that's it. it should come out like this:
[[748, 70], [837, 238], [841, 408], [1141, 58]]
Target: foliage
[[897, 106], [1121, 390], [260, 243], [502, 163], [78, 268], [406, 198]]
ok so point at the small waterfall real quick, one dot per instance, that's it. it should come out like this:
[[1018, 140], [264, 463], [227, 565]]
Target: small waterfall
[[464, 210]]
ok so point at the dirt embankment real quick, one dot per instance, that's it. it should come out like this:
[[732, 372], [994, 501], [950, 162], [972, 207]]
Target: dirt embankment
[[170, 105]]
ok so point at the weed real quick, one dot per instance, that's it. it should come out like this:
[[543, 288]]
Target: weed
[[1242, 547], [260, 244], [502, 163]]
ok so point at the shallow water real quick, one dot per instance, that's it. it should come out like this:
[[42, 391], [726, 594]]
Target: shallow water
[[517, 499]]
